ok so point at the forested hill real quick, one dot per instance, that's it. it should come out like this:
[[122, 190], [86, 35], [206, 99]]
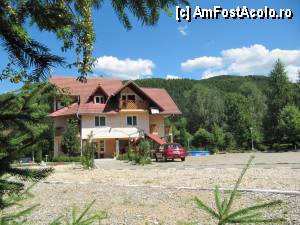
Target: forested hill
[[177, 88]]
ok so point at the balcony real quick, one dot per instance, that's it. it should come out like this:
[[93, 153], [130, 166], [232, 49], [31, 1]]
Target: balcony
[[133, 105], [154, 129]]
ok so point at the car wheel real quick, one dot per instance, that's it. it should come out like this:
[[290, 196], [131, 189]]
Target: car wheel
[[173, 160], [156, 159], [182, 159]]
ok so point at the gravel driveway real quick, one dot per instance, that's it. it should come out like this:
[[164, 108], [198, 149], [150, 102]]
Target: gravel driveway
[[161, 193]]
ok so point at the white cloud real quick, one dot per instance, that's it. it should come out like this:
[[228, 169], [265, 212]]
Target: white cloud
[[293, 72], [172, 77], [183, 30], [124, 68], [253, 60], [201, 62]]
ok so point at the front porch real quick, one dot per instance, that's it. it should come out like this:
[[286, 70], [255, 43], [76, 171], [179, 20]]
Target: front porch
[[110, 147]]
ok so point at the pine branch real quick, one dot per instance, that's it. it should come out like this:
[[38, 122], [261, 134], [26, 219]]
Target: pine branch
[[253, 208], [30, 174], [237, 184], [206, 208]]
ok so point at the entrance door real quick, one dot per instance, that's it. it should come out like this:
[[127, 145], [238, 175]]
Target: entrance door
[[100, 148], [123, 146]]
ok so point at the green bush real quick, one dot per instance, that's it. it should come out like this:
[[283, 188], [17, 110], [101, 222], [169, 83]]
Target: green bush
[[214, 150], [142, 156], [262, 147], [130, 154], [144, 148], [145, 160], [38, 155], [120, 157], [123, 157], [65, 158], [88, 155], [70, 142]]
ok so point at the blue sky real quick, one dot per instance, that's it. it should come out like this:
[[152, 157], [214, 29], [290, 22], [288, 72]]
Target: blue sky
[[198, 50]]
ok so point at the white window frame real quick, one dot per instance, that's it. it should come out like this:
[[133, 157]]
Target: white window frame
[[99, 121], [98, 142], [132, 125], [101, 99]]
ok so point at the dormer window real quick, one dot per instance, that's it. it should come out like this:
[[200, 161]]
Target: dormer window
[[99, 99], [59, 105]]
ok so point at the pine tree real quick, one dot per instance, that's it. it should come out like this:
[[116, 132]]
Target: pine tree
[[23, 123], [279, 95], [72, 23], [70, 143]]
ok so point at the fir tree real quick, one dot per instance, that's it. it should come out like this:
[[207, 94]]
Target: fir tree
[[279, 95], [23, 123], [71, 21], [70, 143]]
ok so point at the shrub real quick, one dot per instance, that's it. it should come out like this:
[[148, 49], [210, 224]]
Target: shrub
[[120, 157], [123, 157], [145, 160], [130, 154], [247, 215], [38, 155], [144, 148], [70, 143], [213, 150], [65, 158], [87, 159], [262, 147]]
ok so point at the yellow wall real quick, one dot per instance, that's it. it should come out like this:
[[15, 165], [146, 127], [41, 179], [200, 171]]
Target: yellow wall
[[158, 120]]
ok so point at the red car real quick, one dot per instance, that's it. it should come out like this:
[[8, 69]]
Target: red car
[[170, 151]]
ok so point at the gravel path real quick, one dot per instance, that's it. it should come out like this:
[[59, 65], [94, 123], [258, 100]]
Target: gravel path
[[132, 194]]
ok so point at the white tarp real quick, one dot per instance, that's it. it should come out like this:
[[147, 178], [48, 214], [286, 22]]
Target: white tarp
[[154, 111], [107, 132]]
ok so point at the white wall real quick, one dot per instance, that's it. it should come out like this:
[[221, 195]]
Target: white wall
[[116, 125]]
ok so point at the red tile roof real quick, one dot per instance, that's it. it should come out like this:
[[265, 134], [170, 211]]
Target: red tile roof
[[66, 111], [155, 138], [110, 87], [161, 96]]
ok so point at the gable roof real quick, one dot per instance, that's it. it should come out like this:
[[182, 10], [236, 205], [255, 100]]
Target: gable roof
[[141, 92], [111, 87], [166, 102]]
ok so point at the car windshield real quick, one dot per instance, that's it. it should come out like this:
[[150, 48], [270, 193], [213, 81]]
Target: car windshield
[[174, 146]]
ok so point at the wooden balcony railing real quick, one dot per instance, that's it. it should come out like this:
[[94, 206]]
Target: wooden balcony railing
[[132, 104]]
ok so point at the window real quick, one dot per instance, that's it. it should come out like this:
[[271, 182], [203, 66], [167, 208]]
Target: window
[[99, 145], [100, 121], [131, 97], [128, 97], [102, 146], [99, 99], [131, 121], [174, 146], [59, 105]]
